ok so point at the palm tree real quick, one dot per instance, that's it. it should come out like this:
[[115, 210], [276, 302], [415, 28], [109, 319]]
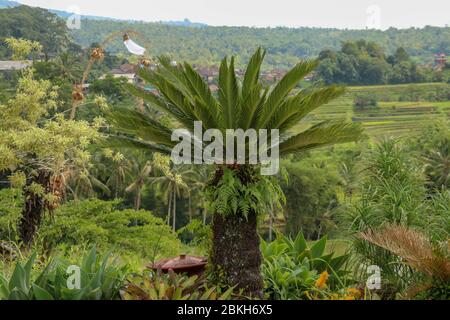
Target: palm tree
[[171, 183], [184, 96], [139, 180]]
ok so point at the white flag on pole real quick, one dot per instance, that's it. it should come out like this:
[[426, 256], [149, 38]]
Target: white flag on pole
[[133, 47]]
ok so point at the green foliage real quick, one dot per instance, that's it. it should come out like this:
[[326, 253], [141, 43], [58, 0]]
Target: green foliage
[[232, 196], [96, 221], [110, 87], [34, 24], [362, 102], [100, 279], [11, 202], [197, 232], [31, 144], [393, 192], [438, 290], [158, 286], [312, 193], [432, 146], [292, 266], [437, 217], [362, 62], [207, 45], [186, 98], [22, 48]]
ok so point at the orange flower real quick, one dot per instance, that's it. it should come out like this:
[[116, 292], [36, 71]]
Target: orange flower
[[321, 282]]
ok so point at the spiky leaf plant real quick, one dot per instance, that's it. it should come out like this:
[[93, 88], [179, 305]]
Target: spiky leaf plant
[[184, 97], [417, 251]]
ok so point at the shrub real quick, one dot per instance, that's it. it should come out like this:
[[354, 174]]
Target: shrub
[[432, 146], [11, 202], [393, 193], [364, 102], [100, 279], [417, 251], [158, 286], [96, 221], [292, 268], [311, 193]]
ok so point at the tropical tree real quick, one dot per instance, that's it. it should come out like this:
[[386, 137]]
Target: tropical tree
[[37, 153], [238, 193], [171, 183], [39, 148], [139, 180]]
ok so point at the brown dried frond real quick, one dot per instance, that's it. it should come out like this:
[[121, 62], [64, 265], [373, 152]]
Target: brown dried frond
[[97, 54], [413, 247]]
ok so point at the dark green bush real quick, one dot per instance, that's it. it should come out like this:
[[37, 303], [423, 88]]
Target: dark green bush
[[96, 221]]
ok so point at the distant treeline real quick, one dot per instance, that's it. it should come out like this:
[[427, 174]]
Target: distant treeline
[[391, 56], [362, 62], [284, 46]]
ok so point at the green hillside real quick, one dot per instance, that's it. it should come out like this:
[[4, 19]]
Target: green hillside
[[284, 46]]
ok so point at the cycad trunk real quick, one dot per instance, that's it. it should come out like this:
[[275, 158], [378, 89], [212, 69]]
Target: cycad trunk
[[235, 256]]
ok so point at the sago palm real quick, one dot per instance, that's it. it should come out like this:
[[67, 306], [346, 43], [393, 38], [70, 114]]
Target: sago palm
[[240, 104]]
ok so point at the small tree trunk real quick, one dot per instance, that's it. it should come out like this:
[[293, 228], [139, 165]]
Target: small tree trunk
[[34, 208], [169, 211], [190, 208], [137, 201], [174, 209]]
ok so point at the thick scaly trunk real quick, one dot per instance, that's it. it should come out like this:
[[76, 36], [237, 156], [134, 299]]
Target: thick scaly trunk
[[34, 208], [235, 255]]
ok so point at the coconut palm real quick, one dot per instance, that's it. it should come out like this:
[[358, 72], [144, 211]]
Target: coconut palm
[[171, 183], [184, 97], [142, 174]]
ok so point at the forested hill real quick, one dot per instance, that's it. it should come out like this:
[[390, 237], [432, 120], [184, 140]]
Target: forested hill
[[208, 45]]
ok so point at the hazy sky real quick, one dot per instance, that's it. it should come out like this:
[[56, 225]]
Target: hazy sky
[[294, 13]]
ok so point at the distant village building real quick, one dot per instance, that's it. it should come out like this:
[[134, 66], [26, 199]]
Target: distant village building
[[273, 75], [209, 74], [440, 60], [126, 70], [14, 65]]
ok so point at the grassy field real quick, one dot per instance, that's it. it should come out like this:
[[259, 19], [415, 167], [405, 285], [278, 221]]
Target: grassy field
[[400, 108]]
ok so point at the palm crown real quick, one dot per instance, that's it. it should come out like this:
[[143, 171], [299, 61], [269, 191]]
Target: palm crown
[[185, 97]]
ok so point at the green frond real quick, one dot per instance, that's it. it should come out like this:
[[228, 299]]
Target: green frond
[[228, 93], [250, 103], [158, 103], [322, 134], [175, 96], [251, 76], [135, 123], [201, 91], [295, 108], [282, 89], [120, 141]]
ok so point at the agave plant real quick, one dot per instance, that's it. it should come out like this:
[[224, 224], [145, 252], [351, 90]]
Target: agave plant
[[99, 280], [244, 103]]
